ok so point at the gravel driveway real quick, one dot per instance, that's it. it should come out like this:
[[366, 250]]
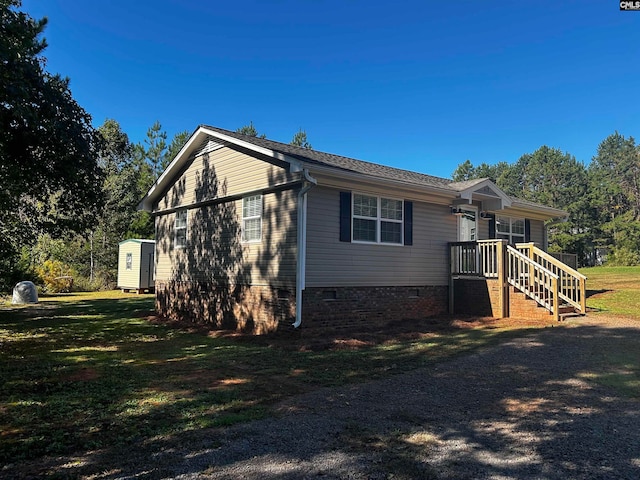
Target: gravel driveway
[[525, 409]]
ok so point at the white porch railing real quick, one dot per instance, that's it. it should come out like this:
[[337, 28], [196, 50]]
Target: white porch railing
[[481, 258], [534, 272], [534, 280], [571, 283]]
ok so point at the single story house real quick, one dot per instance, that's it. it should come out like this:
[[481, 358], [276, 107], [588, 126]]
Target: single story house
[[254, 234]]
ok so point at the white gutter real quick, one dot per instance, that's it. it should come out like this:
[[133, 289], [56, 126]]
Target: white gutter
[[301, 264]]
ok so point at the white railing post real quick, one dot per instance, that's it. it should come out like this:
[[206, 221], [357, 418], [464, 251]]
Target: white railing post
[[572, 284], [533, 279]]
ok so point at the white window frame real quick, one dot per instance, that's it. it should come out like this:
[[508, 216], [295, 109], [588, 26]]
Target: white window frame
[[509, 236], [250, 218], [128, 261], [178, 226], [378, 219]]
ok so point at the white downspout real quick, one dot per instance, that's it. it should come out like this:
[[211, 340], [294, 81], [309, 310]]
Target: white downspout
[[301, 264]]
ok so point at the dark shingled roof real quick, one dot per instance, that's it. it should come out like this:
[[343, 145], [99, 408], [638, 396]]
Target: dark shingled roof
[[360, 166], [343, 163]]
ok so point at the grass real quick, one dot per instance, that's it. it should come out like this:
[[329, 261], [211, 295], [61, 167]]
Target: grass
[[89, 371], [614, 290]]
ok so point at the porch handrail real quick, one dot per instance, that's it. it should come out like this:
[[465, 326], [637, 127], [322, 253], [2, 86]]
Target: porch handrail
[[481, 258], [534, 280], [463, 258], [572, 284]]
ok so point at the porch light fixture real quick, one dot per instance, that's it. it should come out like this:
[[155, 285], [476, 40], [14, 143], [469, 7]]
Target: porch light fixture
[[457, 211]]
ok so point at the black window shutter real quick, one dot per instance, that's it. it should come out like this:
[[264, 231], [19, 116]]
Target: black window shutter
[[492, 227], [345, 216], [408, 222], [527, 230]]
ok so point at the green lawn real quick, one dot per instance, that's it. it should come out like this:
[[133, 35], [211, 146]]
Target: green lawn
[[87, 371], [614, 290]]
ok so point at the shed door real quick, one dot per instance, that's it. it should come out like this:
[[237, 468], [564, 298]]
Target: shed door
[[150, 270]]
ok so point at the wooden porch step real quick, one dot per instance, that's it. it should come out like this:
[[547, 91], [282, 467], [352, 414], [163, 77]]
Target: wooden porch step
[[564, 309]]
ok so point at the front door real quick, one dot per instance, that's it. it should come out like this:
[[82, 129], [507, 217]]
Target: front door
[[468, 232], [468, 224]]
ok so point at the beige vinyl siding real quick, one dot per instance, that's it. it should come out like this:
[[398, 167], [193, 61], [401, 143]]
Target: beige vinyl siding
[[220, 173], [165, 245], [334, 263], [272, 261], [214, 249], [483, 227], [537, 233]]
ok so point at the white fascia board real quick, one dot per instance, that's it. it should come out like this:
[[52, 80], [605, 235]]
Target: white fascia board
[[296, 165], [194, 141], [136, 240], [147, 202], [539, 212]]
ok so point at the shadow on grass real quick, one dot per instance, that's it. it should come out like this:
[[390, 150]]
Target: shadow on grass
[[522, 410], [591, 293], [148, 398]]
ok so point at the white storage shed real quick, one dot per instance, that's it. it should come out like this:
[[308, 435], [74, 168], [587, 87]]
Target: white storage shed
[[136, 265]]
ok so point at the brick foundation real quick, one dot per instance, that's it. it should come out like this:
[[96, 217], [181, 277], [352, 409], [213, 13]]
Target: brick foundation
[[477, 296], [353, 307], [244, 308], [520, 306], [481, 296], [262, 310]]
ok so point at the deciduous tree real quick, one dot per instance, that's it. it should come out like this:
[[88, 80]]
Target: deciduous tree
[[49, 177]]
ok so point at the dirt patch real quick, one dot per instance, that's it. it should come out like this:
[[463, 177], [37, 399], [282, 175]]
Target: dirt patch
[[82, 375], [314, 339]]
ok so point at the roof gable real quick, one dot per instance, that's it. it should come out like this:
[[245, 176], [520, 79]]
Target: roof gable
[[481, 189]]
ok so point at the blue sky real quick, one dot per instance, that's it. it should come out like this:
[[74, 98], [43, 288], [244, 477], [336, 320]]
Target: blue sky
[[422, 85]]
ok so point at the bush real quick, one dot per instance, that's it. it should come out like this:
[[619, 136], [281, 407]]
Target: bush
[[622, 257], [56, 276], [100, 282]]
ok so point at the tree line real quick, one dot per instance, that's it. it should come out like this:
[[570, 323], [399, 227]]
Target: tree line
[[88, 252], [602, 198], [68, 191]]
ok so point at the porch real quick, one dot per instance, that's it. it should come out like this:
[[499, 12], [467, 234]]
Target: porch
[[499, 274]]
